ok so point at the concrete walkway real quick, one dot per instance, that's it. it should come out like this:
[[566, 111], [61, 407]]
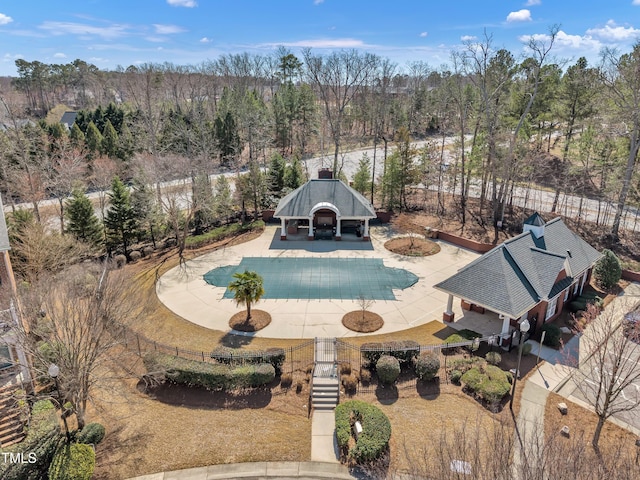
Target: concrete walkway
[[257, 470], [324, 445]]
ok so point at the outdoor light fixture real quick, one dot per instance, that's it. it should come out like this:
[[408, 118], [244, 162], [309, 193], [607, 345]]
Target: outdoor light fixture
[[54, 371], [524, 328]]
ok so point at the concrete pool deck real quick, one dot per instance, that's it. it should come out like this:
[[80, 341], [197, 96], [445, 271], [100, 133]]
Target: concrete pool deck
[[184, 291]]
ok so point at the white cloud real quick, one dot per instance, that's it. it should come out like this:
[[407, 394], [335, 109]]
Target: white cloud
[[167, 29], [4, 19], [59, 55], [322, 43], [531, 3], [523, 15], [423, 34], [635, 2], [318, 2], [183, 3], [468, 38], [612, 32], [64, 28], [205, 40]]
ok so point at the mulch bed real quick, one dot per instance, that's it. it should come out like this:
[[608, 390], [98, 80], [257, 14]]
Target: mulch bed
[[259, 319], [362, 322], [412, 247]]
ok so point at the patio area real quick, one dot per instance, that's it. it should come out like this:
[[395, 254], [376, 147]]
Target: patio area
[[184, 290]]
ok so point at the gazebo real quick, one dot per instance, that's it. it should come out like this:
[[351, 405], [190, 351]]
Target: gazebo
[[328, 206]]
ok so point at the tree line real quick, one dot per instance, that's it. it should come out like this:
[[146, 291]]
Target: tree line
[[516, 123]]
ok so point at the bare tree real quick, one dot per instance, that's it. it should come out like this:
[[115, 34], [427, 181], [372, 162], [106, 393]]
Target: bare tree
[[609, 369]]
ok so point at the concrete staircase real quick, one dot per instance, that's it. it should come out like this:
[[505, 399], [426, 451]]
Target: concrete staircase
[[325, 393], [11, 422]]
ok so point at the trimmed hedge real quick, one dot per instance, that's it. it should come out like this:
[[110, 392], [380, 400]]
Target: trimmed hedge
[[75, 461], [42, 440], [388, 369], [489, 383], [220, 233], [553, 335], [493, 358], [92, 433], [427, 365], [237, 356], [376, 430], [405, 350], [213, 376]]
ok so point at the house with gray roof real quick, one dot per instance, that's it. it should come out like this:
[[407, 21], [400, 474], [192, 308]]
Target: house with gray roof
[[531, 276], [327, 207]]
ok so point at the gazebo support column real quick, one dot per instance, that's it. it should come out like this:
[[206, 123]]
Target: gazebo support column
[[448, 315], [506, 326], [310, 237], [283, 229], [338, 231], [365, 235]]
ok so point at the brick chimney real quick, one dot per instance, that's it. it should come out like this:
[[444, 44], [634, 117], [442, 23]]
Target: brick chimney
[[325, 174]]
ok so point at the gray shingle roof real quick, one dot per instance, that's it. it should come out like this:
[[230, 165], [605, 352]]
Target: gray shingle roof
[[519, 273], [349, 202]]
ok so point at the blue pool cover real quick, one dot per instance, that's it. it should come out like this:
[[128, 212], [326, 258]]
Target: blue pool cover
[[318, 278]]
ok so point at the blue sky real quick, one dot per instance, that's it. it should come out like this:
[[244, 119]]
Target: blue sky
[[109, 33]]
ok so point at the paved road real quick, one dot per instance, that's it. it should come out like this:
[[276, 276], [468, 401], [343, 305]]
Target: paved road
[[535, 199]]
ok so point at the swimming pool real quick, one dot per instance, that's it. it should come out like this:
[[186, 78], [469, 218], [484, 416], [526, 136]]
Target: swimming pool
[[318, 278]]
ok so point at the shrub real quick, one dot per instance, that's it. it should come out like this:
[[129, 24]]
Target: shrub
[[376, 430], [489, 383], [147, 251], [237, 356], [455, 376], [209, 375], [120, 260], [350, 383], [220, 233], [526, 349], [388, 369], [91, 433], [42, 440], [427, 365], [405, 351], [553, 335], [493, 358], [607, 271], [345, 368], [135, 255], [464, 364], [365, 375], [75, 461]]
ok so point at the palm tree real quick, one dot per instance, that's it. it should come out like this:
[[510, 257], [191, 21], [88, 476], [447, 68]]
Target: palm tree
[[247, 289]]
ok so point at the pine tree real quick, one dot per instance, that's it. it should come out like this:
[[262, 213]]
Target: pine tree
[[120, 221], [223, 201], [294, 176], [82, 221], [76, 136], [93, 138], [109, 144], [362, 177]]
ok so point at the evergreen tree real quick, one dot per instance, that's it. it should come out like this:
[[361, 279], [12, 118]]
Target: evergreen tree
[[362, 177], [93, 138], [228, 138], [82, 221], [110, 143], [120, 221], [275, 177], [223, 201], [294, 176], [76, 136], [145, 210]]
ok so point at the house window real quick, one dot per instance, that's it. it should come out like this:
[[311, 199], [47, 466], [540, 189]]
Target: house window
[[551, 308]]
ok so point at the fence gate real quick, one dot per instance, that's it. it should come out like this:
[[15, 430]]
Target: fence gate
[[325, 359]]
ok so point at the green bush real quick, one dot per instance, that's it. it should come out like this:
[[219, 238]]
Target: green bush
[[493, 358], [455, 376], [350, 383], [75, 461], [607, 271], [376, 430], [489, 383], [464, 364], [553, 335], [93, 433], [237, 356], [220, 233], [427, 365], [388, 369], [463, 335], [212, 376], [405, 350], [43, 436]]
